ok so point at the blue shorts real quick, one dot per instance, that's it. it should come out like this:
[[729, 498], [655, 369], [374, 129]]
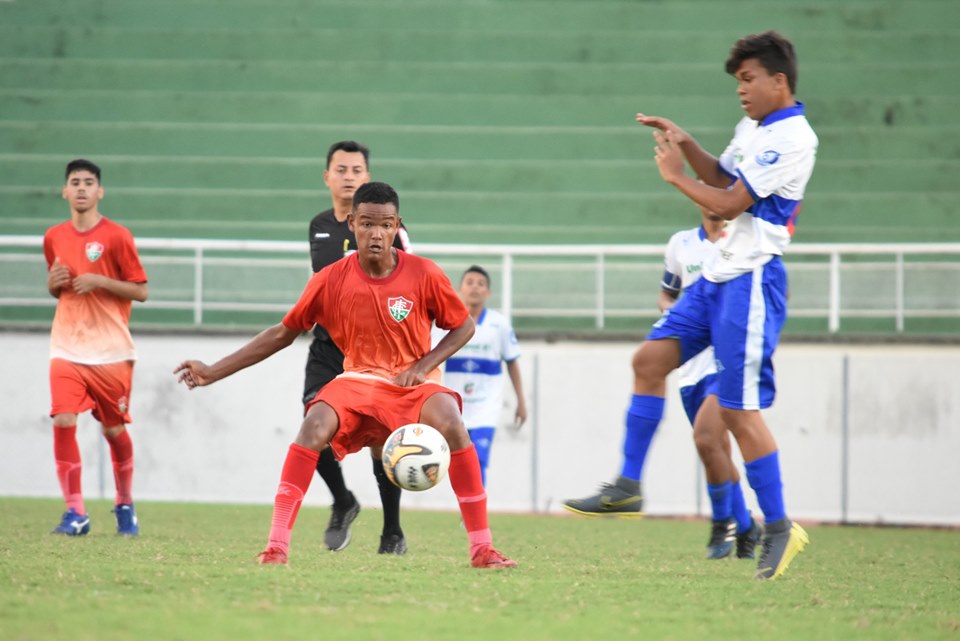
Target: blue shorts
[[742, 319], [482, 438], [694, 395]]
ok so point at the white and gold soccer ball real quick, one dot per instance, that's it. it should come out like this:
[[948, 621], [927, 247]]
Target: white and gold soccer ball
[[416, 457]]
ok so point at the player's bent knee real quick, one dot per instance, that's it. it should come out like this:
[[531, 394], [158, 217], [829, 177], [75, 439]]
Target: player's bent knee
[[441, 412], [453, 431], [65, 420], [707, 443], [654, 360], [318, 427], [113, 431]]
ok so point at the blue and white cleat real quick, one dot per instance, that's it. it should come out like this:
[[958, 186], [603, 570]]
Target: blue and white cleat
[[73, 524], [127, 522], [723, 536]]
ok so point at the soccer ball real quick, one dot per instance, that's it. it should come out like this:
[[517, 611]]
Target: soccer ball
[[416, 457]]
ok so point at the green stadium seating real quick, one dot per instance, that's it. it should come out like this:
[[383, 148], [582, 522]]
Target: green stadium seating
[[498, 121]]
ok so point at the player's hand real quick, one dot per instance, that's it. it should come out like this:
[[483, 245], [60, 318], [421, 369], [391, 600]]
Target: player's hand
[[520, 417], [668, 156], [663, 124], [193, 374], [86, 283], [59, 275], [410, 377]]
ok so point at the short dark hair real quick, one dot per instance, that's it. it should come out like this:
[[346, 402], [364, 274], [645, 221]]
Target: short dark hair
[[476, 269], [772, 50], [375, 193], [351, 146], [81, 164]]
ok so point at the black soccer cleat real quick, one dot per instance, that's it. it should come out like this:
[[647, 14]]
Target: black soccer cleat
[[392, 544], [747, 541]]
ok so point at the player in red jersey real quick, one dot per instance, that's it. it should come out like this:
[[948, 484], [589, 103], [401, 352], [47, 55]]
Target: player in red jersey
[[95, 274], [378, 306]]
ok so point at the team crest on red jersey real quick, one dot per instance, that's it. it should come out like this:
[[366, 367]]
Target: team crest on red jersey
[[399, 307], [94, 251]]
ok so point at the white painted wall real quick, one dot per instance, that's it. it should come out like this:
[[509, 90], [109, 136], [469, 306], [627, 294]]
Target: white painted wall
[[227, 442]]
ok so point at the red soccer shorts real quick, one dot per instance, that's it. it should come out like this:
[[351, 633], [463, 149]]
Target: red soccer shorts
[[370, 408], [105, 389]]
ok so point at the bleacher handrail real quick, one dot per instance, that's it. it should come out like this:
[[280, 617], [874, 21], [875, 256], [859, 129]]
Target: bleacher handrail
[[465, 249], [834, 252]]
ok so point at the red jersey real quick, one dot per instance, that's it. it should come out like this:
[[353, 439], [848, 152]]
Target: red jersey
[[382, 325], [93, 329]]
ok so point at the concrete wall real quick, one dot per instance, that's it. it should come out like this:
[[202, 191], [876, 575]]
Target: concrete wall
[[901, 406]]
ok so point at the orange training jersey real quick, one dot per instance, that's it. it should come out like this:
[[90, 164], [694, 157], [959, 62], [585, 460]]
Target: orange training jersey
[[92, 329], [382, 325]]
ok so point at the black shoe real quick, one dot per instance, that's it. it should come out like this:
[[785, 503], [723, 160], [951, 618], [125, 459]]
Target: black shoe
[[393, 544], [747, 541], [337, 535], [722, 537]]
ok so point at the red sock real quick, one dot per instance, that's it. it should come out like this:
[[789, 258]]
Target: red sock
[[121, 452], [66, 453], [467, 482], [295, 479]]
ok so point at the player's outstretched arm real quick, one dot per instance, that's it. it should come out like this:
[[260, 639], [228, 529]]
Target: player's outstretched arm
[[263, 345], [703, 163], [447, 347]]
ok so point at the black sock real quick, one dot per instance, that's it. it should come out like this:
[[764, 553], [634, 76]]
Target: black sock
[[329, 470], [390, 498]]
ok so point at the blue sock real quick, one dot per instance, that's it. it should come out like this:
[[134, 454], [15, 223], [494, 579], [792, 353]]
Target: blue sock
[[721, 500], [764, 477], [740, 511], [643, 417]]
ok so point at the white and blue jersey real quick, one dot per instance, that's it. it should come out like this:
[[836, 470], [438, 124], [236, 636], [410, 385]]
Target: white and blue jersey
[[683, 261], [740, 304], [476, 372], [774, 158]]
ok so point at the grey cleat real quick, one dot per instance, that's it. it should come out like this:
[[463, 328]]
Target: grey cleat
[[782, 541], [337, 535], [622, 498]]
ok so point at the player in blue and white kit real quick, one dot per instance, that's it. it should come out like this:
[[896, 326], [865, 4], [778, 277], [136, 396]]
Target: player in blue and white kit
[[739, 305], [476, 371]]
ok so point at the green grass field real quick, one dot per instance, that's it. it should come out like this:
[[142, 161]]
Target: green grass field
[[192, 574]]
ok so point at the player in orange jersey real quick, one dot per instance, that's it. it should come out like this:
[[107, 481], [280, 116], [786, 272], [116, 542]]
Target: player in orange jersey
[[330, 240], [378, 306], [95, 274]]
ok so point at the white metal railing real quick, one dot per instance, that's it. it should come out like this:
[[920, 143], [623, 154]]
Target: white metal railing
[[835, 262]]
